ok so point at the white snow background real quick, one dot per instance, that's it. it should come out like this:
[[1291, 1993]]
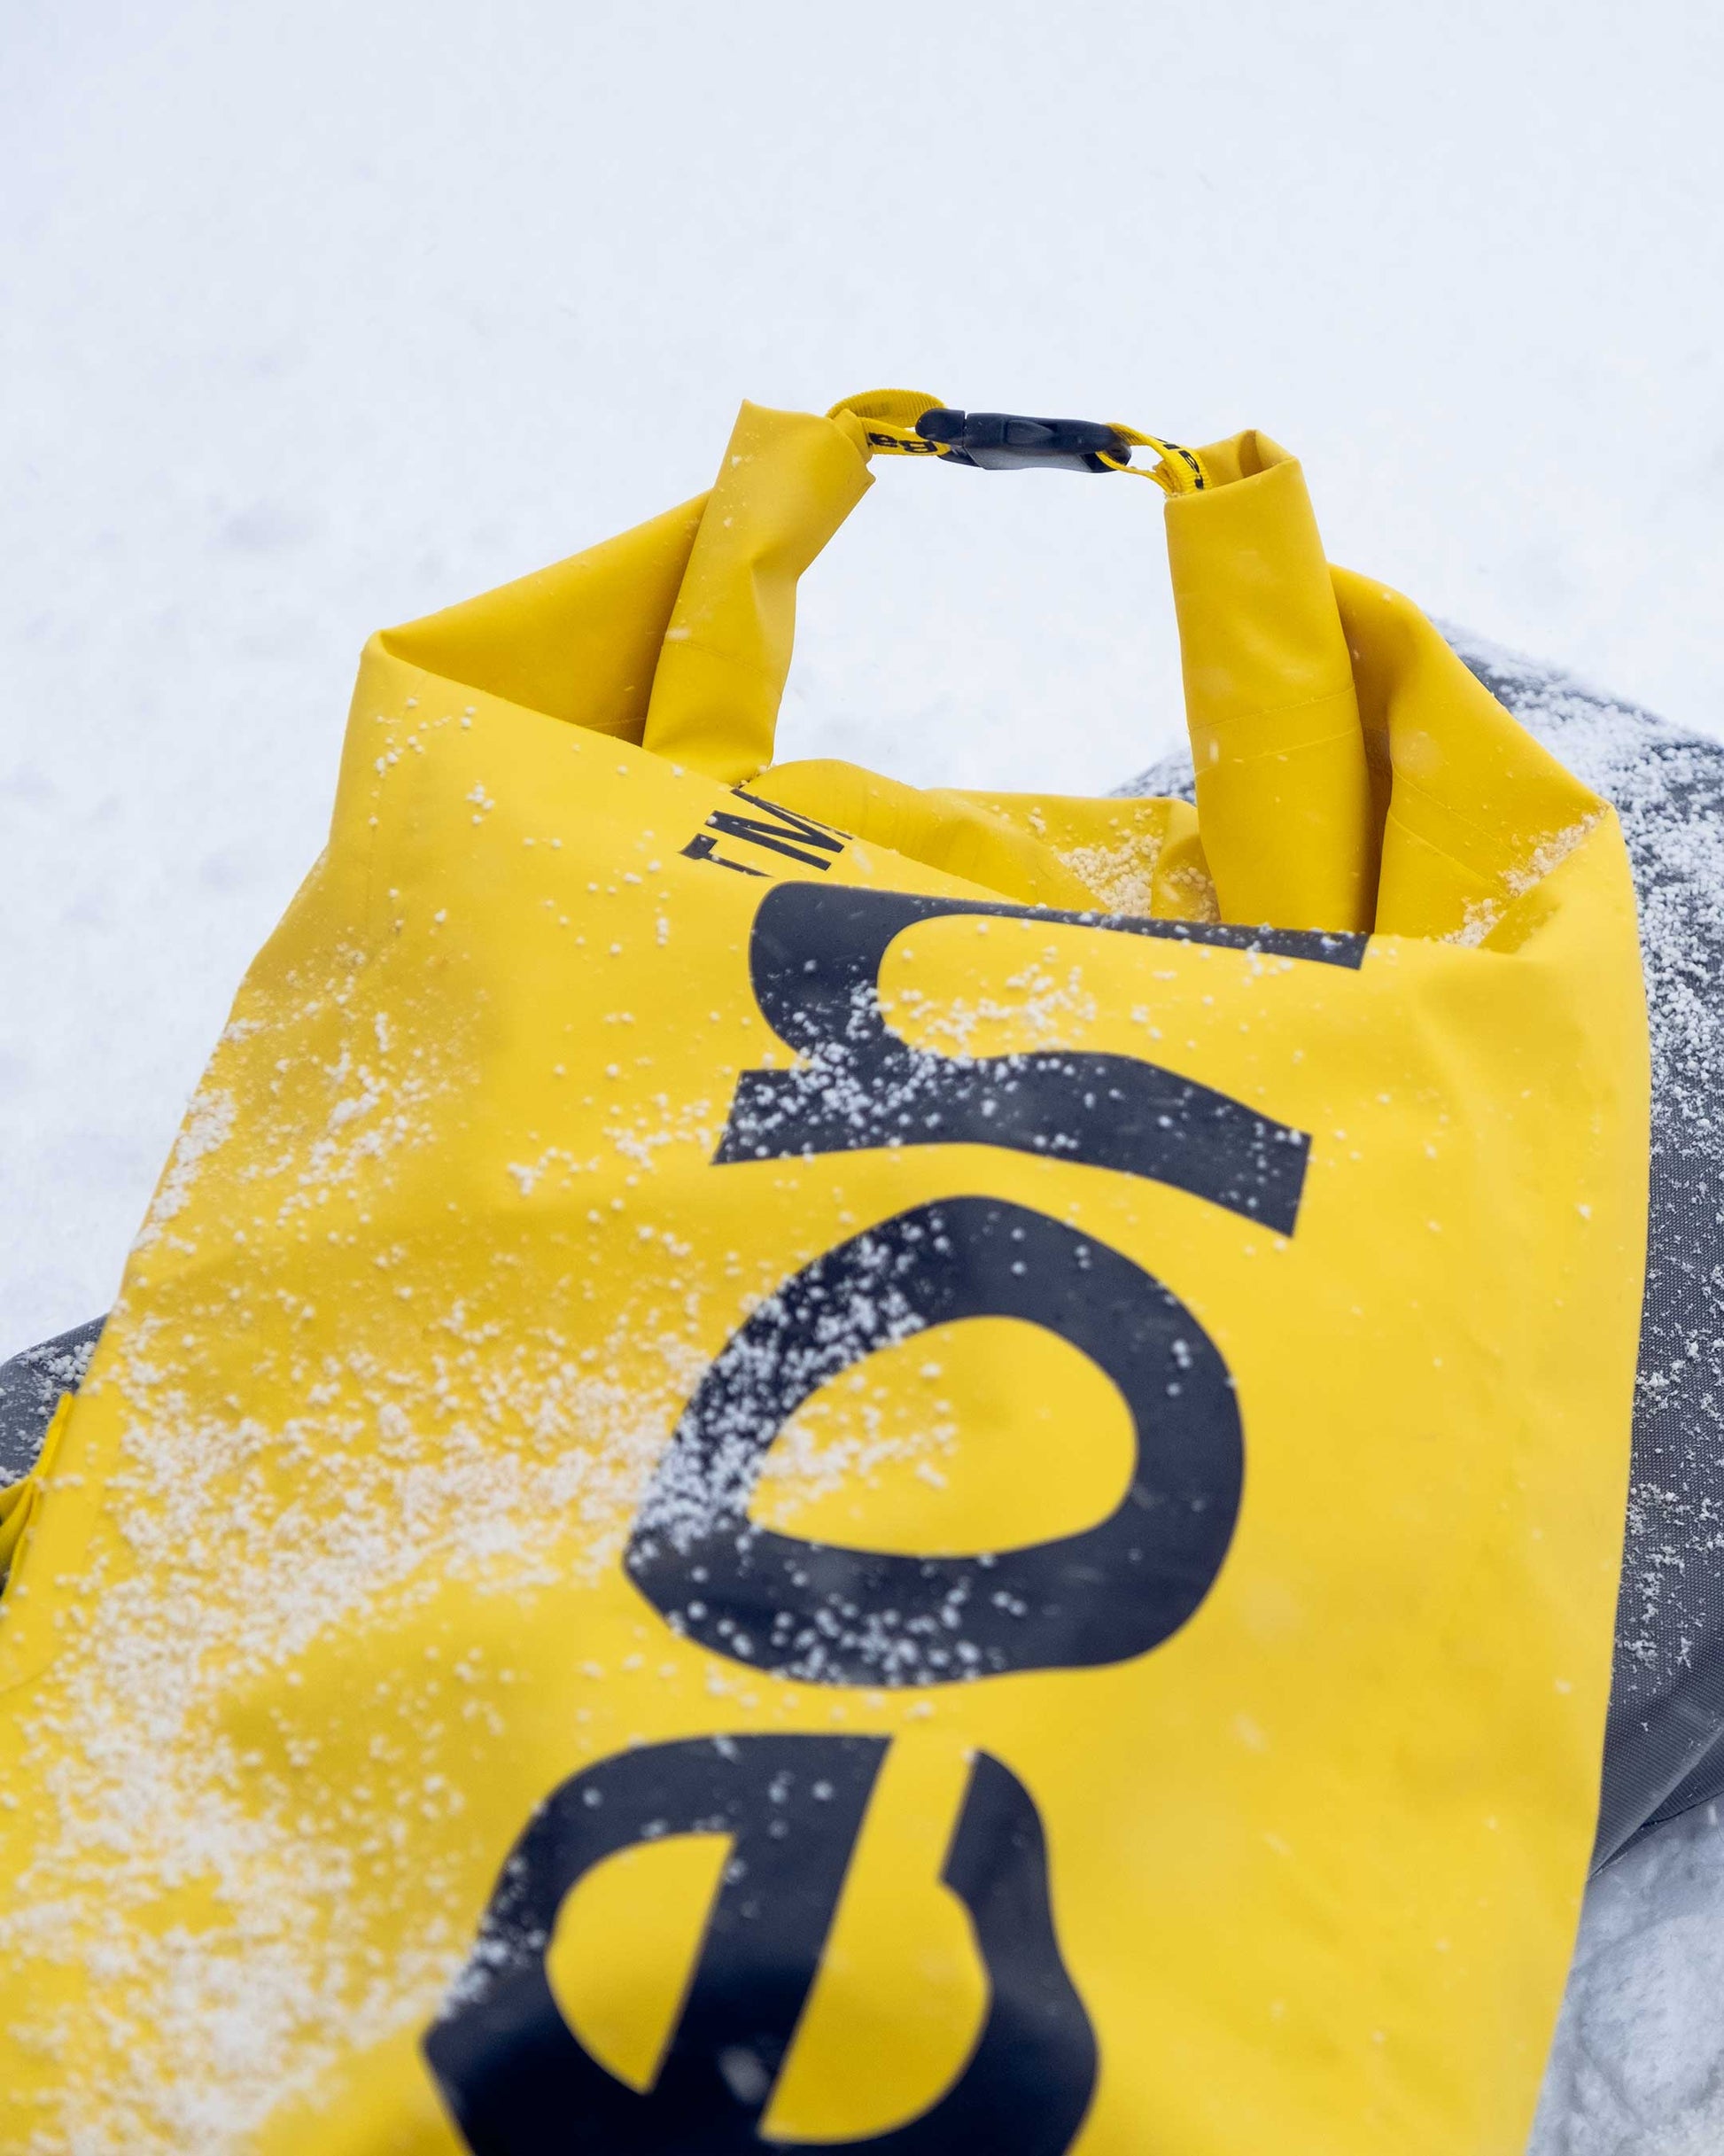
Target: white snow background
[[317, 317]]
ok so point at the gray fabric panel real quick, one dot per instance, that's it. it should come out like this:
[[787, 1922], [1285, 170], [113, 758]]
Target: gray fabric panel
[[1664, 1749], [30, 1387]]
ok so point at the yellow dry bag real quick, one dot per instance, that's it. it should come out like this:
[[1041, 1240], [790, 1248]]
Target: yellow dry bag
[[790, 1464]]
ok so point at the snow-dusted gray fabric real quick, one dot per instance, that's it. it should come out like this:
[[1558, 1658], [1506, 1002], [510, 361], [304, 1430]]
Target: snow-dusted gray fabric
[[1665, 1748], [1665, 1752], [30, 1387]]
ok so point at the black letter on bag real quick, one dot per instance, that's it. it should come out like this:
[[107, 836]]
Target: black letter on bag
[[815, 957], [830, 1616], [520, 2082]]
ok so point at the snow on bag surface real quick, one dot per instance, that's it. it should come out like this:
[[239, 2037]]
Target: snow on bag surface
[[381, 1058], [1638, 2066]]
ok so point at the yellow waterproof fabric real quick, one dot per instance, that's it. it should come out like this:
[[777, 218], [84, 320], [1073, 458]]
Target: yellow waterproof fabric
[[791, 1464]]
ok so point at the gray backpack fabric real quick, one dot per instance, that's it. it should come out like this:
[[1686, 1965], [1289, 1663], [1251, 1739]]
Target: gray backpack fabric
[[1665, 1745], [30, 1387], [1663, 1750]]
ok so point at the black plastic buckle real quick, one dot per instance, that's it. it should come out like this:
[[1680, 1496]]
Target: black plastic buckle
[[1008, 441]]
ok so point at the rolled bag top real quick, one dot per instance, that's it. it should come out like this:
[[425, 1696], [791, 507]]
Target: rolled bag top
[[1352, 775]]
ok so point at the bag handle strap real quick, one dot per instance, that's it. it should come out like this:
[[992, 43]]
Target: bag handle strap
[[787, 481], [909, 423]]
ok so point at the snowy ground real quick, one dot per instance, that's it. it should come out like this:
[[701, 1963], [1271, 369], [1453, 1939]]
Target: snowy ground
[[317, 317], [1635, 2070]]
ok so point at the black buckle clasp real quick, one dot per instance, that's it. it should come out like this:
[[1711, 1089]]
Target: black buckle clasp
[[1011, 441]]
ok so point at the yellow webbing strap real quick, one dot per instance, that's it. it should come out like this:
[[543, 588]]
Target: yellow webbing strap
[[889, 418], [1181, 471]]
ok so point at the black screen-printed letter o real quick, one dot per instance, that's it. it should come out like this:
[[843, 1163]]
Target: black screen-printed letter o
[[833, 1615]]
